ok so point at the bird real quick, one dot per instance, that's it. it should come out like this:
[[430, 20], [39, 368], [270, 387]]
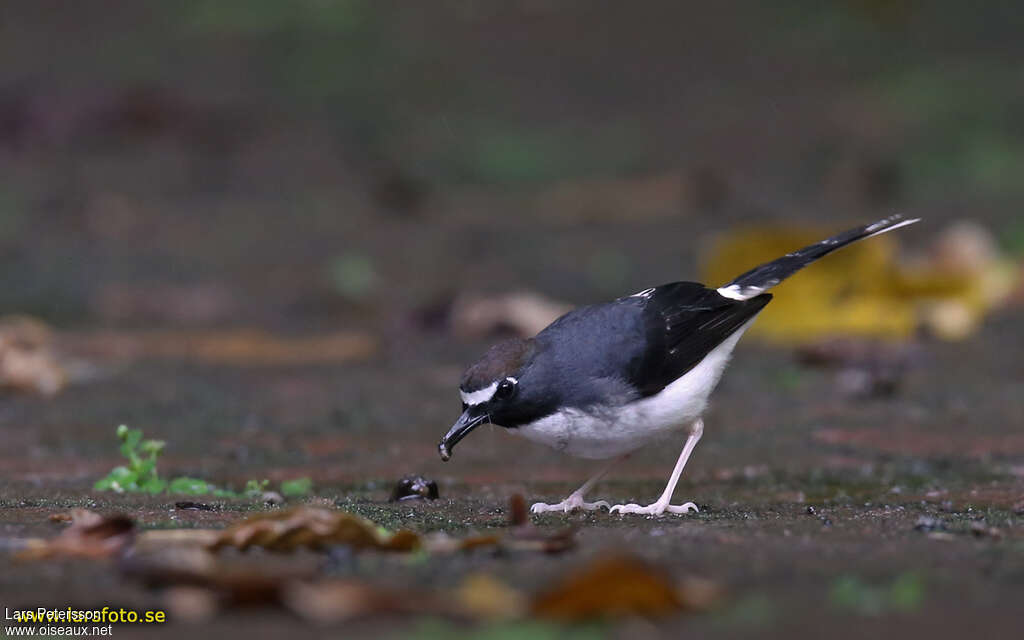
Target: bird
[[604, 380]]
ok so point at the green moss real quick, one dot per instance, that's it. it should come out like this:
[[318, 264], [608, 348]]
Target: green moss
[[189, 486], [297, 487]]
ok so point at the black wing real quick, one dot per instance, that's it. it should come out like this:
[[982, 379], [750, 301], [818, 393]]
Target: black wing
[[683, 322]]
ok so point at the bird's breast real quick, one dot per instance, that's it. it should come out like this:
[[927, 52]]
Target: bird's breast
[[607, 431], [600, 432]]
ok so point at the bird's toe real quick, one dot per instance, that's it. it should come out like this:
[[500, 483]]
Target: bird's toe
[[540, 507], [624, 508], [655, 509], [683, 508]]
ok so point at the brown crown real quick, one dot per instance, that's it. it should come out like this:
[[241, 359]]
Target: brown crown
[[501, 360]]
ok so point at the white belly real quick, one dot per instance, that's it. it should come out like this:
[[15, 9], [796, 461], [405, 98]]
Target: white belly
[[619, 430]]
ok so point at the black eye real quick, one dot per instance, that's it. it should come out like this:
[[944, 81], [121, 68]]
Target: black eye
[[505, 389]]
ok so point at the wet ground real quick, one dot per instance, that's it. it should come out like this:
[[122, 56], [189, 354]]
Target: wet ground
[[820, 513], [795, 500]]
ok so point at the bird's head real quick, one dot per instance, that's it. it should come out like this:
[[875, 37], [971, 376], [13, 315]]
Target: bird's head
[[490, 391]]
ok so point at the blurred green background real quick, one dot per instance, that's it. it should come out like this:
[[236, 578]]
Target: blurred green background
[[332, 160]]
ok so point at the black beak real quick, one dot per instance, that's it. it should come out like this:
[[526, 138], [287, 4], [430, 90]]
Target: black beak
[[466, 423]]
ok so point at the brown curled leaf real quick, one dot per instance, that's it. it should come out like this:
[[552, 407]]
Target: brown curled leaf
[[517, 512], [620, 586], [313, 528], [336, 601], [90, 535], [28, 362]]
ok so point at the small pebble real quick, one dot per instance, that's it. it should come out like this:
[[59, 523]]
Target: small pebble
[[414, 488], [188, 505], [272, 498], [928, 524]]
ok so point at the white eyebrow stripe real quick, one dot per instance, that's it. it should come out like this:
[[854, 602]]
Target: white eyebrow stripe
[[480, 396]]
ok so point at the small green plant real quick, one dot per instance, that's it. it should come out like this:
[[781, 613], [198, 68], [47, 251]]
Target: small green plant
[[297, 487], [190, 486], [140, 474], [255, 488]]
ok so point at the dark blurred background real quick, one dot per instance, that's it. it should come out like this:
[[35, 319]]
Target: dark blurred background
[[380, 169], [272, 233], [317, 163]]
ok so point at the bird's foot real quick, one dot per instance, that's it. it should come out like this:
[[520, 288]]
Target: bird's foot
[[655, 509], [573, 502]]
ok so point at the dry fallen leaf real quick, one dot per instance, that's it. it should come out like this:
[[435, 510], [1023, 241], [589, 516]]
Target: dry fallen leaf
[[27, 359], [240, 577], [482, 596], [442, 543], [199, 582], [161, 538], [960, 277], [90, 535], [621, 586], [319, 528], [479, 597], [340, 600], [522, 313], [25, 332], [171, 565], [863, 289], [312, 528]]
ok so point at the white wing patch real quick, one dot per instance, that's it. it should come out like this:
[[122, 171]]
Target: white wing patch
[[872, 229], [479, 396], [646, 293], [736, 292]]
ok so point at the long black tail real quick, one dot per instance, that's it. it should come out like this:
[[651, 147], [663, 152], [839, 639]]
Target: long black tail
[[768, 275]]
